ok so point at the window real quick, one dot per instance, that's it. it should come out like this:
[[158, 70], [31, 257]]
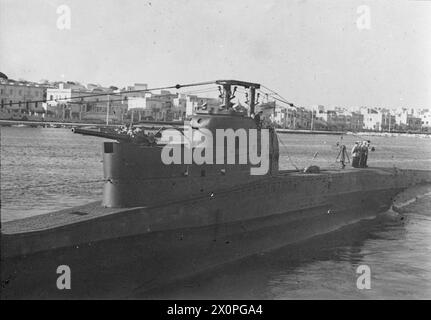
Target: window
[[20, 92], [10, 91]]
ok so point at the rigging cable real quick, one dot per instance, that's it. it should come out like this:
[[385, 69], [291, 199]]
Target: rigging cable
[[288, 156], [177, 86]]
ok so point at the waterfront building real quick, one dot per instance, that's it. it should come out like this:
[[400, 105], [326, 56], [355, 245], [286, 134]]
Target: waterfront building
[[302, 119], [137, 90], [67, 102], [164, 105], [77, 103], [57, 100], [179, 105], [357, 121], [408, 119], [401, 118], [21, 99], [289, 117], [320, 112], [388, 120], [280, 116], [425, 116], [195, 103], [372, 119], [292, 117], [414, 123], [150, 105]]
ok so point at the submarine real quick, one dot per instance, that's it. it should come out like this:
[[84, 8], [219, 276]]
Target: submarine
[[160, 222]]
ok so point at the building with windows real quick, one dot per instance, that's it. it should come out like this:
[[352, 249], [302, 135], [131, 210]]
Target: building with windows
[[151, 106], [409, 119], [195, 103], [388, 120], [76, 102], [357, 122], [414, 123], [425, 116], [19, 99], [372, 119]]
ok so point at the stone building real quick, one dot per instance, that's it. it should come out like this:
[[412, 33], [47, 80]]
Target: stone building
[[21, 99]]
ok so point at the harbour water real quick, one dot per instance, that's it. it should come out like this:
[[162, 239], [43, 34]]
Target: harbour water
[[43, 170]]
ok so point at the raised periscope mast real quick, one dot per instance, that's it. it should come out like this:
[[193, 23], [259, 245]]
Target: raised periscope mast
[[136, 176]]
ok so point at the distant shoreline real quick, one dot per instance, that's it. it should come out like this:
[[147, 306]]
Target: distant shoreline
[[360, 133], [61, 124]]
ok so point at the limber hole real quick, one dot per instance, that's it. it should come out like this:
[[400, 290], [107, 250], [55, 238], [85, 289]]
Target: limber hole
[[109, 147], [79, 213]]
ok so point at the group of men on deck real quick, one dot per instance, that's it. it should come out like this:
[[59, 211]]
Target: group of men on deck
[[360, 154]]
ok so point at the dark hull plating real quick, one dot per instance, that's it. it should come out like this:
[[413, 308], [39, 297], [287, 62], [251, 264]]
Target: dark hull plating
[[115, 253]]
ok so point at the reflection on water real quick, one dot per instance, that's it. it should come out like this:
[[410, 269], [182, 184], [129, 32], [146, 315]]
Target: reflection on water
[[49, 169]]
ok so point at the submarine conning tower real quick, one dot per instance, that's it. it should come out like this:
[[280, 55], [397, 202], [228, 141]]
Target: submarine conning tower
[[136, 176]]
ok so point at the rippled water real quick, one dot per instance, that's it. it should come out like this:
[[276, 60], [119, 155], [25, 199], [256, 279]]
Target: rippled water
[[47, 169], [396, 247], [43, 170]]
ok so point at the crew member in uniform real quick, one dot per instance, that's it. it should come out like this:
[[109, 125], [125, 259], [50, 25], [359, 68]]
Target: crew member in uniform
[[342, 155], [257, 119], [355, 155], [366, 149], [363, 154]]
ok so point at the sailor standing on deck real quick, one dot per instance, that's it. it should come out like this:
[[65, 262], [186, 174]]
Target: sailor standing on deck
[[258, 120], [342, 155], [355, 155], [363, 154], [366, 148]]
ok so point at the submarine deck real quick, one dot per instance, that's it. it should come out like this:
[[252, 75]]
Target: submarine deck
[[94, 210]]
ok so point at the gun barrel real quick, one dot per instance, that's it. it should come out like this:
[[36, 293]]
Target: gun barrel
[[102, 134]]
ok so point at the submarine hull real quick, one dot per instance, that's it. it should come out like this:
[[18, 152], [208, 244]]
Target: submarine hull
[[115, 253]]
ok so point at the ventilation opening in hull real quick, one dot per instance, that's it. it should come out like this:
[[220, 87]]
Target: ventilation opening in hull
[[109, 147]]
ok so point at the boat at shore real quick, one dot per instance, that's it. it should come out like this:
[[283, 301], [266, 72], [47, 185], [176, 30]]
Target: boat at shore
[[160, 222]]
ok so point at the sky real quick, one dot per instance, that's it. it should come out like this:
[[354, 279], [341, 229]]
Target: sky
[[328, 52]]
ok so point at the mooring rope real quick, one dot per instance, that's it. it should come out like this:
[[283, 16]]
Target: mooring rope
[[288, 156]]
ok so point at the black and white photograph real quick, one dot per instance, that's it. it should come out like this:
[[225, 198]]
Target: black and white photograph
[[238, 151]]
